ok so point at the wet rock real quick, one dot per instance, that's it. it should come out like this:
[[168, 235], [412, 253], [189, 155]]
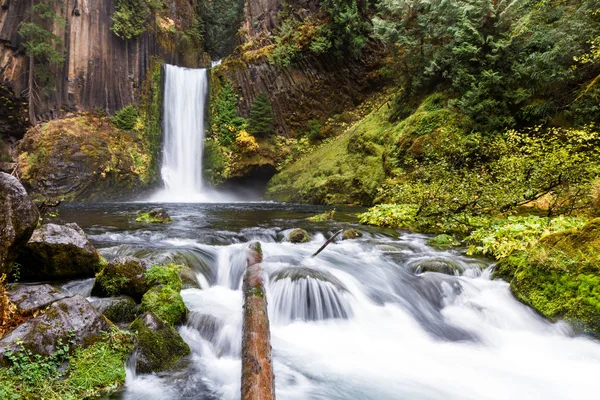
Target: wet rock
[[18, 220], [351, 234], [297, 273], [298, 235], [29, 298], [121, 309], [123, 276], [443, 242], [159, 345], [42, 333], [59, 251], [188, 277], [166, 303], [439, 266], [155, 216]]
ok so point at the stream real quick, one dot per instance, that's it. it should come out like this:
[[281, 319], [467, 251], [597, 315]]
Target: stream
[[360, 321]]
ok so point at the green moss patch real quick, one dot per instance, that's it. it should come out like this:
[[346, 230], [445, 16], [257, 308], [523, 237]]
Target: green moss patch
[[560, 277], [167, 275], [166, 303]]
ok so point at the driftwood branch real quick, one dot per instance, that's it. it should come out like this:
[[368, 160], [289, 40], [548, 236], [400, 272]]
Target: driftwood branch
[[327, 242], [258, 380]]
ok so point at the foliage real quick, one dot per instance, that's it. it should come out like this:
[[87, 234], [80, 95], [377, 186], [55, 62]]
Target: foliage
[[507, 235], [167, 275], [261, 116], [225, 121], [166, 303], [559, 277], [91, 371], [323, 217], [507, 62], [222, 19], [130, 18], [390, 215], [348, 26], [245, 142], [126, 118]]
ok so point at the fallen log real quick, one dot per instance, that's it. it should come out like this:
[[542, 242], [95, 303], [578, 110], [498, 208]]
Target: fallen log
[[258, 381]]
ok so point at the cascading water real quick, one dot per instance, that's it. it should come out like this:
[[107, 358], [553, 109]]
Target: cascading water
[[365, 319], [185, 92]]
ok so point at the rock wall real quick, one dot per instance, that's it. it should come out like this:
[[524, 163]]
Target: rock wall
[[100, 70]]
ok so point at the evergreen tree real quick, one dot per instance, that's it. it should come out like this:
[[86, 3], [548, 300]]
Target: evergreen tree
[[260, 119], [43, 48]]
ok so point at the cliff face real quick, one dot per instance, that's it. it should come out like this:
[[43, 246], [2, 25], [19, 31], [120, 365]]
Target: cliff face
[[100, 69]]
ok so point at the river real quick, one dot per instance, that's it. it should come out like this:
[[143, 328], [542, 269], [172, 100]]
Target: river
[[359, 321]]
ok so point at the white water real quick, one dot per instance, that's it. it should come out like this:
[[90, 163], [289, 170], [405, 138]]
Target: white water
[[395, 334]]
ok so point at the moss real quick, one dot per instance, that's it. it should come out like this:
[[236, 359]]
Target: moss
[[121, 277], [148, 217], [560, 277], [443, 241], [325, 216], [299, 235], [100, 368], [124, 310], [160, 347], [165, 275], [344, 170], [351, 234], [166, 303]]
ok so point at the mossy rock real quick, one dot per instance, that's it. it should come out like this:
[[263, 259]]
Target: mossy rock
[[443, 242], [440, 266], [189, 279], [323, 217], [167, 275], [299, 235], [560, 277], [159, 346], [123, 276], [117, 309], [166, 303], [351, 234], [154, 216]]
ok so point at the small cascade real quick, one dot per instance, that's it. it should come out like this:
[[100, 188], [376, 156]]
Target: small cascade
[[184, 98], [308, 295]]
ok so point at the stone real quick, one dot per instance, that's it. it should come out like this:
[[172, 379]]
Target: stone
[[166, 303], [189, 278], [59, 251], [351, 234], [159, 346], [439, 266], [18, 220], [155, 216], [298, 235], [42, 333], [29, 298], [443, 242], [123, 276], [122, 309]]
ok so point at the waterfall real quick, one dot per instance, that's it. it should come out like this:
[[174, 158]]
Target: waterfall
[[185, 93]]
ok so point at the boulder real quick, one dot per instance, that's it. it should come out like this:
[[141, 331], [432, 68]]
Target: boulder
[[159, 345], [299, 235], [188, 277], [123, 276], [351, 234], [29, 298], [155, 216], [18, 220], [166, 303], [58, 251], [440, 266], [443, 242], [41, 334], [122, 309]]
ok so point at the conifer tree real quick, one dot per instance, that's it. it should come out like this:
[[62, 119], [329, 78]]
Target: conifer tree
[[260, 119]]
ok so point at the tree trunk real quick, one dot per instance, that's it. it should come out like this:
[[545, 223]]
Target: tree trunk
[[258, 381]]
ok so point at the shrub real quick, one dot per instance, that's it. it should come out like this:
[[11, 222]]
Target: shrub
[[126, 118]]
